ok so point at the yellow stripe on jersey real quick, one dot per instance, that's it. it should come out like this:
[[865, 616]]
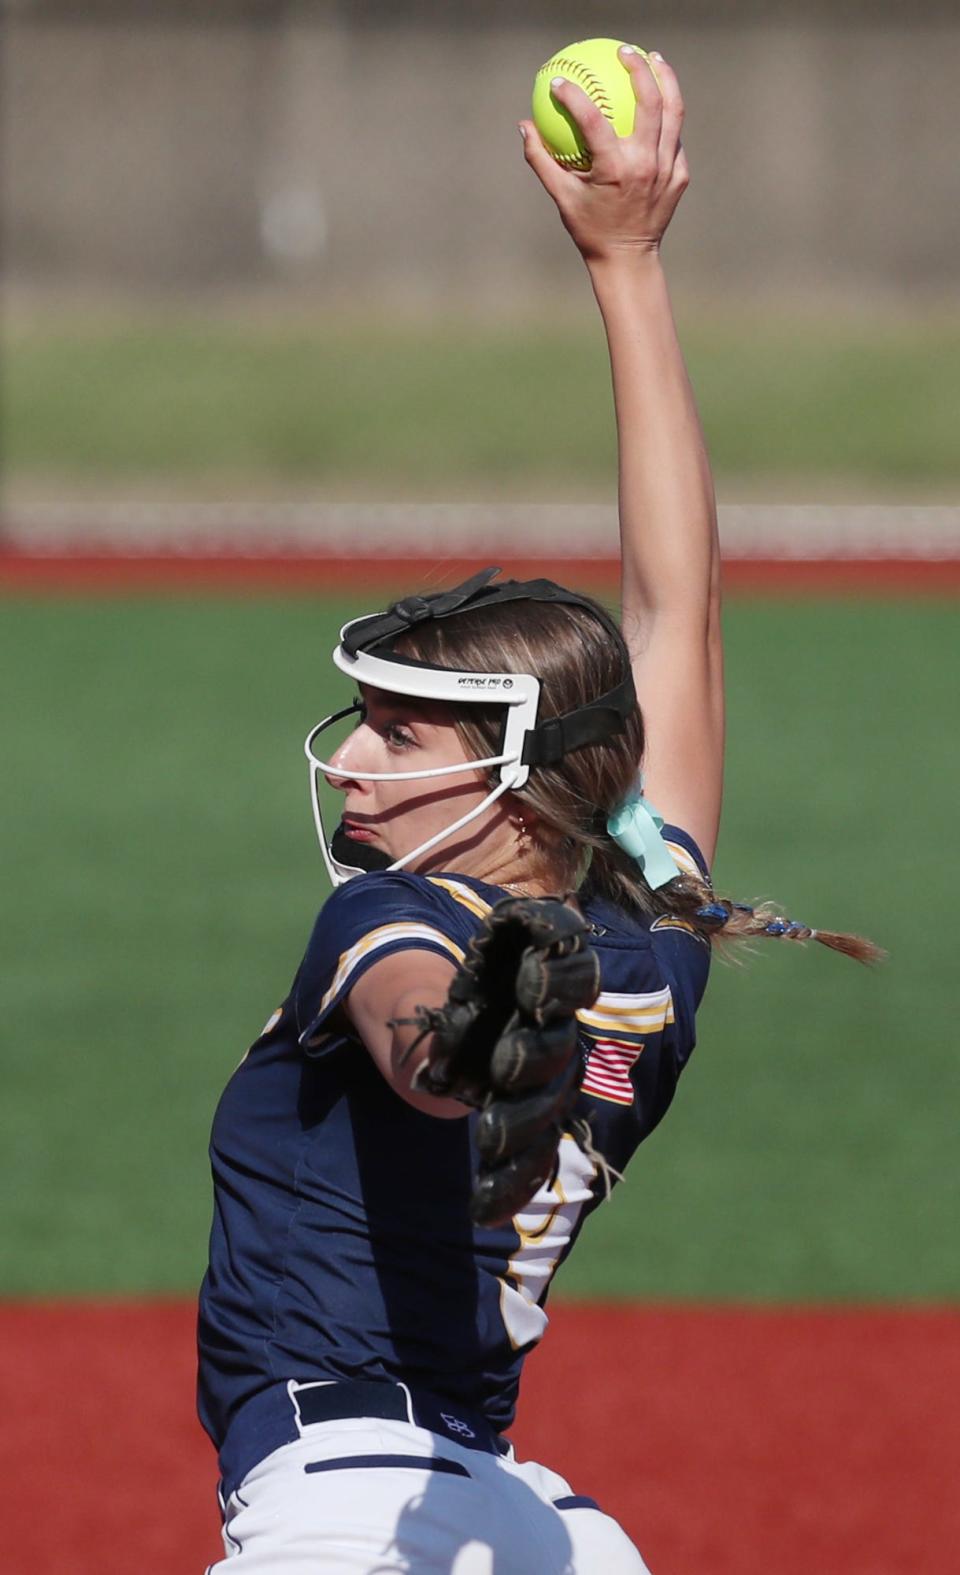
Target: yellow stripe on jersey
[[465, 895], [684, 859], [544, 1227], [385, 935], [641, 1014]]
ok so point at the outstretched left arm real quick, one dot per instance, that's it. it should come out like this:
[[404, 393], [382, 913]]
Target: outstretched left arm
[[383, 1007]]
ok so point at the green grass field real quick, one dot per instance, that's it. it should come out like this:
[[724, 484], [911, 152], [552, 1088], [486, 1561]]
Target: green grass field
[[446, 406], [162, 875]]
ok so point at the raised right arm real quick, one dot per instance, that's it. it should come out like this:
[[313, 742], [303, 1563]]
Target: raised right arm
[[617, 215]]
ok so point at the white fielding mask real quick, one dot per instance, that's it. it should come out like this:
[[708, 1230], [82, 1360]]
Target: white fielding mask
[[519, 693], [525, 742]]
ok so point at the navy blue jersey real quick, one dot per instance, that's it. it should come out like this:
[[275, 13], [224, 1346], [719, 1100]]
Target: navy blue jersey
[[342, 1245]]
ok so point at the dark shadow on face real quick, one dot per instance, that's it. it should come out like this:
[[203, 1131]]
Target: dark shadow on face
[[417, 802]]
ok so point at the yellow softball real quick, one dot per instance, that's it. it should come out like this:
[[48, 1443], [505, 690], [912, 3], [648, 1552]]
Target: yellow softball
[[595, 66]]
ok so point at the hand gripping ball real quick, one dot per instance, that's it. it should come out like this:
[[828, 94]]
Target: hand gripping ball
[[595, 66]]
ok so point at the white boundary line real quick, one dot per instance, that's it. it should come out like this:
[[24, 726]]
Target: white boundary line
[[811, 531]]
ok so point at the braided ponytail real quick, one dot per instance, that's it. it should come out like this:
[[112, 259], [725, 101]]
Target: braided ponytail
[[690, 899], [721, 920]]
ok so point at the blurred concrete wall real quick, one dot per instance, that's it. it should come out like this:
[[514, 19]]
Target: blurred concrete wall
[[297, 147]]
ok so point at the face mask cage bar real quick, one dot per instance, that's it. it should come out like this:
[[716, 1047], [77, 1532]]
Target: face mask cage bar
[[523, 743], [518, 692]]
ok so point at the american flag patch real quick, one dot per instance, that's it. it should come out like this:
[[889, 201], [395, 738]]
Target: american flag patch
[[608, 1070], [616, 1028]]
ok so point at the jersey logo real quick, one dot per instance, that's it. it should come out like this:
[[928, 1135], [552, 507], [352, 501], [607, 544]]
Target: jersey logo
[[608, 1070], [669, 921], [456, 1426]]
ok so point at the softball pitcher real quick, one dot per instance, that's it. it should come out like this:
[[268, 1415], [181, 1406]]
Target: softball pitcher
[[469, 1054]]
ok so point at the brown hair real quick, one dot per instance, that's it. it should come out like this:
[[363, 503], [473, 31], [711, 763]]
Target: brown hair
[[577, 657]]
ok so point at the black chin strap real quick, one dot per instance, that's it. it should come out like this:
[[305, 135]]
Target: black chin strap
[[358, 855]]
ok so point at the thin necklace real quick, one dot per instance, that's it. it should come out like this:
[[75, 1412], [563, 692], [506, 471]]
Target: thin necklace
[[522, 888]]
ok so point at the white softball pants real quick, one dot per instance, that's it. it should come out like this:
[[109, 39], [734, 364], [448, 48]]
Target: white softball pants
[[422, 1506]]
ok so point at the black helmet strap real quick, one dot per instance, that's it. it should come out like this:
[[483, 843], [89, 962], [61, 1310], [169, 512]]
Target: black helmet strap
[[548, 741], [380, 628]]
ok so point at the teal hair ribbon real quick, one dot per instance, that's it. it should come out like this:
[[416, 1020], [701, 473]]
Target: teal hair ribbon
[[635, 827]]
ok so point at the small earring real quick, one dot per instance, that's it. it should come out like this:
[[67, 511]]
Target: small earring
[[521, 832]]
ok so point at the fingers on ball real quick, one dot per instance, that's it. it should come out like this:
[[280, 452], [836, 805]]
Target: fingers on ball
[[595, 129]]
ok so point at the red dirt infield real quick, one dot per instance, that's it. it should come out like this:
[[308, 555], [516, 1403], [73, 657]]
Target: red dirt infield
[[728, 1441]]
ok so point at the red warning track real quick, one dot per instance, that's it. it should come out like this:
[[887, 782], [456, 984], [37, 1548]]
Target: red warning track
[[727, 1441], [256, 573]]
